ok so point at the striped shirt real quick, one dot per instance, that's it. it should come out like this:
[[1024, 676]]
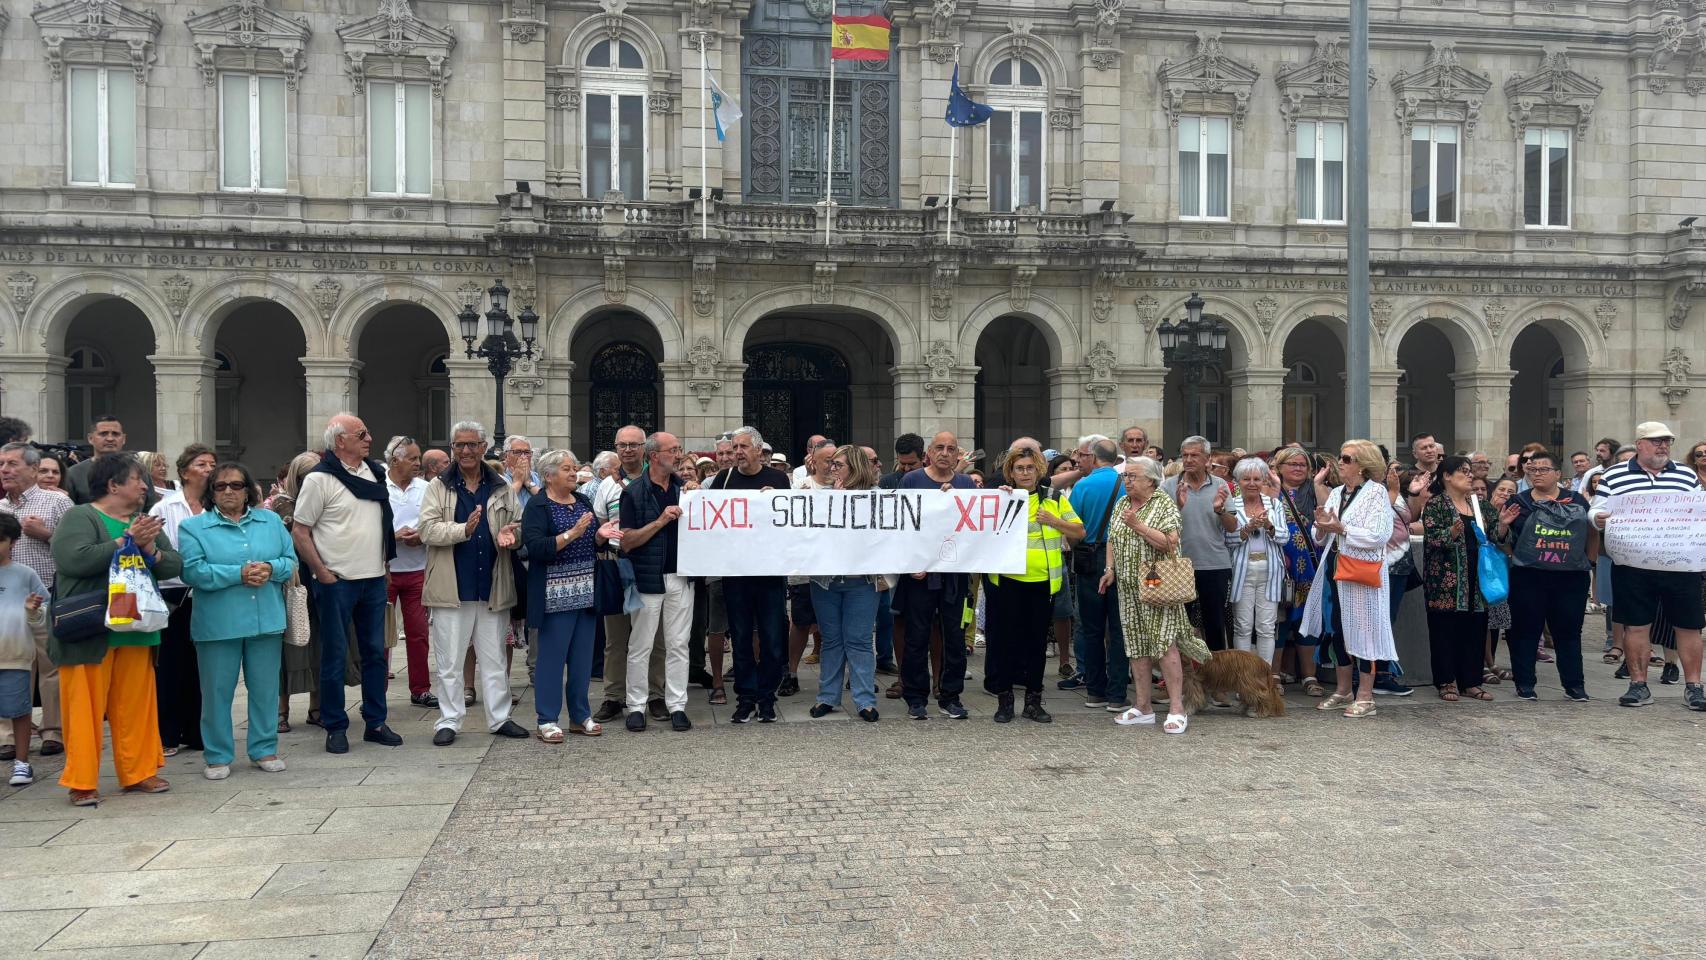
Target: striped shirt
[[1631, 477]]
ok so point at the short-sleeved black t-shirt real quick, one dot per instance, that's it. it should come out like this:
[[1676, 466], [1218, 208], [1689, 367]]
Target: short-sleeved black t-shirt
[[733, 479]]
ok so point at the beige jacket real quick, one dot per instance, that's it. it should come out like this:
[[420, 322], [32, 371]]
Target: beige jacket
[[441, 533]]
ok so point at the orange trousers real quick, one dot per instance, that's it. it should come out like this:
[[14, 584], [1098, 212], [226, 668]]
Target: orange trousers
[[119, 689]]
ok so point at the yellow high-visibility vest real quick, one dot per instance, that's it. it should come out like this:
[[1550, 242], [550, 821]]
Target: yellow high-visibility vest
[[1045, 548]]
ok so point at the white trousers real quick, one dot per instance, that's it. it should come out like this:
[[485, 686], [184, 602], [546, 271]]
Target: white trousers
[[673, 610], [452, 630], [1254, 609]]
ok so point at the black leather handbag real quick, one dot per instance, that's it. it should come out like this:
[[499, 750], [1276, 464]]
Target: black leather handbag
[[81, 616]]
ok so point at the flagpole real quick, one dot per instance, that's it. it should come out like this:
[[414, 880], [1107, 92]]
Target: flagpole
[[704, 147], [953, 143], [829, 141]]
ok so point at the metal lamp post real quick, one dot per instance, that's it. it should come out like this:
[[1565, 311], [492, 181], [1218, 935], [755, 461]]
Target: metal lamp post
[[1190, 347], [500, 348]]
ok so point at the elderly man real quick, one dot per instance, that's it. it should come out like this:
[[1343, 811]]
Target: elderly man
[[345, 536], [651, 505], [804, 470], [1134, 440], [470, 524], [1205, 521], [1642, 594], [106, 435], [433, 462], [404, 487], [754, 604], [38, 512], [928, 599], [1479, 464], [1100, 641], [607, 506]]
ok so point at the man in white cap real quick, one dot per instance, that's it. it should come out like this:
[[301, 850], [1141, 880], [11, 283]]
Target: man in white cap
[[1641, 594]]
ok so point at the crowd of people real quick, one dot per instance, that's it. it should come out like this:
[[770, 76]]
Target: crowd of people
[[1136, 567]]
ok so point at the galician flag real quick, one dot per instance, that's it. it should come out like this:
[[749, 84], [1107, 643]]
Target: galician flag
[[860, 38], [963, 111], [725, 108]]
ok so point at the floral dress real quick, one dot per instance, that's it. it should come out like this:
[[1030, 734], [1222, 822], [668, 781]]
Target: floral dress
[[1149, 630]]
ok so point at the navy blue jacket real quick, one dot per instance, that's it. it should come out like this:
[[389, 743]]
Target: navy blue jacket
[[649, 560]]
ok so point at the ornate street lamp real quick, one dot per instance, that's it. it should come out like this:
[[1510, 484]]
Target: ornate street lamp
[[500, 348], [1191, 346]]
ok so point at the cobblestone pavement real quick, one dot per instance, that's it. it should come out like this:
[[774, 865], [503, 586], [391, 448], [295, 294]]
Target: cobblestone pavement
[[1499, 829], [1550, 830]]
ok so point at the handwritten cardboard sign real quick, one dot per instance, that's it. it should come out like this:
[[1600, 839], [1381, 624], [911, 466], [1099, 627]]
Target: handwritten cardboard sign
[[743, 533], [1658, 531]]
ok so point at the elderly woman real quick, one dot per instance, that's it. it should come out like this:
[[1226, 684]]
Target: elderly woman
[[1349, 607], [1258, 558], [109, 675], [1457, 614], [1146, 529], [1297, 500], [1021, 605], [237, 557], [159, 471], [50, 474], [178, 691], [559, 531], [299, 667], [846, 608]]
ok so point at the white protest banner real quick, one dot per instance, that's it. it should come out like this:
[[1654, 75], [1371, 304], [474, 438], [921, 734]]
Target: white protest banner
[[746, 533], [1658, 531]]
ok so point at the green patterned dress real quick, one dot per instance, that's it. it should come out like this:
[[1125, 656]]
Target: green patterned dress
[[1149, 630]]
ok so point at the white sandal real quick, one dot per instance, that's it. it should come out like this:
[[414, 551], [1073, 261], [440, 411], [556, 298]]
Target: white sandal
[[1176, 723], [550, 733], [1131, 718]]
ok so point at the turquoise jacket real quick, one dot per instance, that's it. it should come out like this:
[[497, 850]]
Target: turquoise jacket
[[214, 551]]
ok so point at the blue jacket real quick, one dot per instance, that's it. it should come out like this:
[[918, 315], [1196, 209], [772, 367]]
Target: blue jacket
[[648, 560], [214, 551]]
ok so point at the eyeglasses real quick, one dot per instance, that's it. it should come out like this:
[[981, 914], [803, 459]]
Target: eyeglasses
[[1345, 459], [520, 453], [224, 485], [468, 444], [364, 435], [837, 464], [629, 446]]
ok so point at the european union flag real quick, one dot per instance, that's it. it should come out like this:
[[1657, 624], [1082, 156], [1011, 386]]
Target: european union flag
[[963, 111]]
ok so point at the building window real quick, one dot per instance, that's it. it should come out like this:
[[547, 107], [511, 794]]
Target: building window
[[1320, 172], [435, 402], [251, 132], [89, 382], [1433, 175], [1016, 143], [399, 139], [1546, 177], [614, 140], [1302, 406], [1205, 167], [1211, 407], [101, 118]]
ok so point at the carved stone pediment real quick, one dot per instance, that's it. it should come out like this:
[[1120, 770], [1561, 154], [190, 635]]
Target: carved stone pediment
[[1556, 96], [1319, 87], [230, 35], [396, 44], [1210, 81], [1442, 91], [97, 32]]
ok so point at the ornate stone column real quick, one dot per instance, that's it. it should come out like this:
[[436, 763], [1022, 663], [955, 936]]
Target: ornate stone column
[[184, 412], [473, 394], [1383, 408], [333, 386], [939, 395], [32, 388], [1483, 409], [1258, 396], [1142, 400]]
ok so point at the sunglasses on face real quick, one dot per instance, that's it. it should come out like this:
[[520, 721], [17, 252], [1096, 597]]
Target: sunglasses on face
[[1345, 459], [225, 485]]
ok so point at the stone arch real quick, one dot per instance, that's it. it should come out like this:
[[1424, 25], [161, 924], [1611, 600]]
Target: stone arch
[[1056, 327], [1580, 340], [208, 309], [1330, 310], [888, 315], [1244, 345], [1470, 342], [55, 307], [11, 326], [627, 28], [1028, 46], [362, 303], [590, 303]]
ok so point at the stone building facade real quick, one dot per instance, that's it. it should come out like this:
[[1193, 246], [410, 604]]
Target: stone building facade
[[233, 221]]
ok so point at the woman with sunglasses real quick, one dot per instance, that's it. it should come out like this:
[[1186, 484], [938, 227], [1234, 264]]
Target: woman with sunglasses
[[237, 557]]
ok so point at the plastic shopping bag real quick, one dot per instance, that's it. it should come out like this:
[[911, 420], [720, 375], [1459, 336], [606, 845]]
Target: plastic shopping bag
[[134, 604]]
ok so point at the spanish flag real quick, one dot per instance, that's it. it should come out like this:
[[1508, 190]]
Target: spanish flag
[[860, 38]]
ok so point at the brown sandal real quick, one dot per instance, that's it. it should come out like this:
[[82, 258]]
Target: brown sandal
[[1476, 693], [1448, 691]]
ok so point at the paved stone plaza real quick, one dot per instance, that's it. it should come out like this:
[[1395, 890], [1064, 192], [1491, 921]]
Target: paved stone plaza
[[1434, 830]]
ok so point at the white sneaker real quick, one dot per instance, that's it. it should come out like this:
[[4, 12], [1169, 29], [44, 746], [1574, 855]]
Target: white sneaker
[[1131, 718], [22, 774], [272, 765], [217, 771]]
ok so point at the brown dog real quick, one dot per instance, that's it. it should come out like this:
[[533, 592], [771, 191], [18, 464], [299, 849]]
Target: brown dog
[[1234, 671]]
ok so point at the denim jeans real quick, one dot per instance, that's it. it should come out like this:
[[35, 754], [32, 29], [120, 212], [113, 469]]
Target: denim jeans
[[885, 626], [1100, 643], [565, 645], [349, 607], [756, 603], [846, 612]]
